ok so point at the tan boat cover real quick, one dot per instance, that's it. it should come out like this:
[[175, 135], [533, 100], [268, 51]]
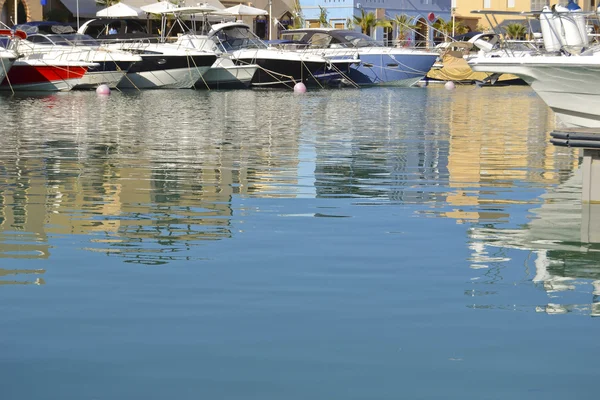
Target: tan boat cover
[[456, 69]]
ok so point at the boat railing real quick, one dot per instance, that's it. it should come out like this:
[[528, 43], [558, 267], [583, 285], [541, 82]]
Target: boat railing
[[128, 44], [561, 31], [49, 51]]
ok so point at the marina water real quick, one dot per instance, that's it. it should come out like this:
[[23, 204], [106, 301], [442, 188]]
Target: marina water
[[341, 244]]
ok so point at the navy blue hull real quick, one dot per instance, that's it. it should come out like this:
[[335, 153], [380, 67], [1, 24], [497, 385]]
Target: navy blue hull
[[384, 69]]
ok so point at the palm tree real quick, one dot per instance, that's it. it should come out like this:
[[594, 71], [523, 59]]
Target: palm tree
[[447, 28], [349, 23], [323, 17], [367, 21], [515, 31], [405, 27]]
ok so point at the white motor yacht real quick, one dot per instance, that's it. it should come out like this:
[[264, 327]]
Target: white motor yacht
[[224, 73], [37, 73], [163, 65], [53, 41], [565, 73], [276, 66]]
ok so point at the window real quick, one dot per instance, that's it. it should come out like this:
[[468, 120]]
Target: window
[[537, 5], [487, 3], [510, 3]]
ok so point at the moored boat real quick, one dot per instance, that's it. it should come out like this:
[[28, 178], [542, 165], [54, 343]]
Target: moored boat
[[276, 67], [44, 75], [374, 64], [565, 73], [37, 73], [55, 41], [163, 65]]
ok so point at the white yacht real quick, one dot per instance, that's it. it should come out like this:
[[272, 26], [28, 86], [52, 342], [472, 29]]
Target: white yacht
[[224, 73], [22, 73], [565, 73], [163, 65], [53, 41], [276, 67]]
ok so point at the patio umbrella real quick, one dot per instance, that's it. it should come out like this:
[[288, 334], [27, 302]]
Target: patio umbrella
[[203, 8], [121, 10], [242, 9], [159, 7]]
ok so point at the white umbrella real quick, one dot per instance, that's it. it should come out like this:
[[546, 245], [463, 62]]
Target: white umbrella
[[121, 10], [203, 8], [242, 9], [159, 7]]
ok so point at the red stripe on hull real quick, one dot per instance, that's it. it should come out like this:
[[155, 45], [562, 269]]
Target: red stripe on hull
[[31, 74]]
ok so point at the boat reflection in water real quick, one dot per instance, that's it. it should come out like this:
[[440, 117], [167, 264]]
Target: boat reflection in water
[[564, 240], [142, 189], [152, 186], [484, 169]]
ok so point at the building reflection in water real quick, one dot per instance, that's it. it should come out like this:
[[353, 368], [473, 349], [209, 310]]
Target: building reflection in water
[[469, 165], [142, 186], [564, 246], [483, 169], [149, 185]]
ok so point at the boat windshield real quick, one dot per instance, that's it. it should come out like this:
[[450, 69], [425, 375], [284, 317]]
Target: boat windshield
[[75, 39], [330, 38], [356, 39], [45, 27], [238, 37]]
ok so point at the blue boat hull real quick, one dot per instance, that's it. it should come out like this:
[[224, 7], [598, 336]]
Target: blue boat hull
[[391, 69]]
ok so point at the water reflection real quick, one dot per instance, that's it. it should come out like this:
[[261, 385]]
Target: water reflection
[[150, 176], [144, 182], [25, 276], [562, 239]]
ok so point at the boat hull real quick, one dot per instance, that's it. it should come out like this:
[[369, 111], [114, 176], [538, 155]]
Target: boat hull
[[106, 73], [43, 77], [5, 65], [166, 71], [286, 73], [390, 69], [570, 86], [230, 77]]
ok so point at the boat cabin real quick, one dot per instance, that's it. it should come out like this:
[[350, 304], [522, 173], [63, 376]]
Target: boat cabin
[[323, 38], [118, 29], [224, 37]]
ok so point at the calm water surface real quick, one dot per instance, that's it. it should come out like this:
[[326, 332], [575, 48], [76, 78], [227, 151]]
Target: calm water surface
[[372, 244]]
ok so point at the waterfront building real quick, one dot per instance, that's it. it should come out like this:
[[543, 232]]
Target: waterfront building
[[19, 11], [463, 10], [339, 14]]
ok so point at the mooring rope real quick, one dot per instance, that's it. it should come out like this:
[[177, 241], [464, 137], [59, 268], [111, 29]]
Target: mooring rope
[[201, 74], [7, 78]]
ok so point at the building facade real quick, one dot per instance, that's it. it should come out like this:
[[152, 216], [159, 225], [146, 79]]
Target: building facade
[[19, 11], [340, 13], [463, 10]]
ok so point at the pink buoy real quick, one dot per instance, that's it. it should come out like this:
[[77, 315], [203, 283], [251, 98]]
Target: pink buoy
[[103, 90], [299, 88], [449, 85]]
